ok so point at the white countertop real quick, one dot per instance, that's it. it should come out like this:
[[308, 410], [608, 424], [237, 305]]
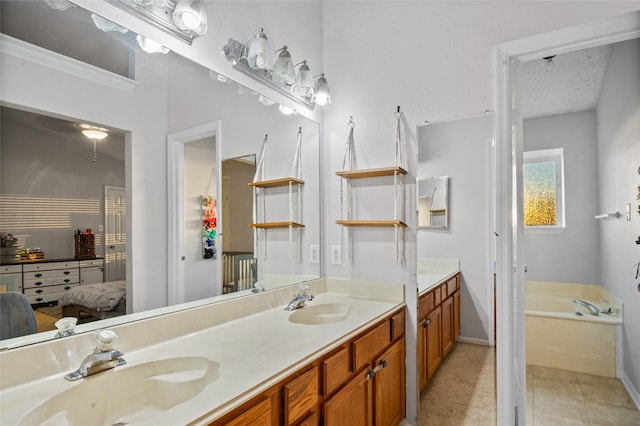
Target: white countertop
[[254, 352], [432, 272]]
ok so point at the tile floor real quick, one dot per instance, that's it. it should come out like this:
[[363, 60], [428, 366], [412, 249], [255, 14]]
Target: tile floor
[[559, 397], [462, 392]]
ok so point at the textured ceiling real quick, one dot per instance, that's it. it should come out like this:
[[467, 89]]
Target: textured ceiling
[[572, 84]]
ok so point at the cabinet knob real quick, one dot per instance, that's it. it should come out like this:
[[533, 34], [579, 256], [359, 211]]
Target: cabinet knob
[[38, 275], [426, 322]]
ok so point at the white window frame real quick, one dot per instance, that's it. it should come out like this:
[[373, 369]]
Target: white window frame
[[555, 155]]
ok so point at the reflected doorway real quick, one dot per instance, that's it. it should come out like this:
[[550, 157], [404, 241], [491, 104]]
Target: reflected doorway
[[239, 265]]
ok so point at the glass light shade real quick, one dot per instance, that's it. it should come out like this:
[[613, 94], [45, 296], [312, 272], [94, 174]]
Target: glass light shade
[[260, 52], [150, 46], [190, 16], [304, 80], [286, 110], [106, 25], [321, 94], [283, 70], [95, 134], [59, 4]]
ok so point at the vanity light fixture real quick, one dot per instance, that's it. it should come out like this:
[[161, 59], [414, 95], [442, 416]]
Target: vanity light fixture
[[95, 134], [181, 19], [254, 60], [286, 110], [107, 25], [59, 4]]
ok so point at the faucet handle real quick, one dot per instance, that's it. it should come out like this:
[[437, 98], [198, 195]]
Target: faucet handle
[[304, 289], [105, 339]]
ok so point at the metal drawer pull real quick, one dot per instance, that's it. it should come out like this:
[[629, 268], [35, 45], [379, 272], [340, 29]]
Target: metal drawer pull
[[67, 272], [372, 372], [67, 280], [39, 299], [38, 275], [38, 283], [67, 288], [39, 290]]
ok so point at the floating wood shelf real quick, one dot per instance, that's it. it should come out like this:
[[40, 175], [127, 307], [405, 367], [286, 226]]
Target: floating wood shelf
[[372, 223], [369, 173], [438, 211], [266, 225], [276, 182]]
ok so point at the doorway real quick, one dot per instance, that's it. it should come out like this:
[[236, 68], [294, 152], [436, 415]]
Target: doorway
[[186, 259], [509, 215]]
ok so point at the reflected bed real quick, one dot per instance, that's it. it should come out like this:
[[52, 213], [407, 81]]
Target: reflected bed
[[95, 301]]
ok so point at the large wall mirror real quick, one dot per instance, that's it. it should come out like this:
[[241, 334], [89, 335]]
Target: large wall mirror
[[51, 186]]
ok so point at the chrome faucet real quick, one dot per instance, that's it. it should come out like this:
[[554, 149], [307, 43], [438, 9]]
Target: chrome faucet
[[103, 357], [591, 308], [300, 299]]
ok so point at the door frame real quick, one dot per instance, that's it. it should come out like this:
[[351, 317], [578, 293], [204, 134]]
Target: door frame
[[175, 203], [511, 385]]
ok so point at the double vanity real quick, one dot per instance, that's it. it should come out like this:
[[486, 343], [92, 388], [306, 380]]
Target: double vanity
[[241, 361]]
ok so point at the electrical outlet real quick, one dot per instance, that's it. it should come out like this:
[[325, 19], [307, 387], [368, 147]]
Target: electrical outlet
[[336, 255], [100, 228], [314, 253]]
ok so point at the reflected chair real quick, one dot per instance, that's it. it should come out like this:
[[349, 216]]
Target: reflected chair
[[16, 316]]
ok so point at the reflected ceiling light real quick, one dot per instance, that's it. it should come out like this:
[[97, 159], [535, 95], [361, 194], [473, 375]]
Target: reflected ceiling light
[[190, 16], [284, 71], [549, 62], [258, 51], [95, 134], [59, 4], [150, 46], [106, 25], [265, 101], [286, 110], [321, 95], [303, 84]]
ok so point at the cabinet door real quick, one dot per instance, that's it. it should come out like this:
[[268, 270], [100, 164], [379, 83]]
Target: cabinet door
[[389, 386], [352, 405], [447, 325], [456, 315], [422, 353], [434, 341], [261, 412], [92, 275]]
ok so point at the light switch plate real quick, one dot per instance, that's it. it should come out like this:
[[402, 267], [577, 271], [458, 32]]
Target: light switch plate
[[336, 255], [314, 253]]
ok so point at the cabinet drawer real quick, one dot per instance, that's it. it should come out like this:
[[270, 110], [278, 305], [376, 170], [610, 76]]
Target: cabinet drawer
[[452, 285], [437, 294], [44, 282], [397, 325], [45, 291], [335, 371], [371, 344], [49, 265], [426, 304], [51, 274], [11, 269], [90, 263], [259, 414], [300, 396]]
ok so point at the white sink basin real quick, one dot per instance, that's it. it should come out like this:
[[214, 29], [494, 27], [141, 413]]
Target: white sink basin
[[321, 314], [126, 394]]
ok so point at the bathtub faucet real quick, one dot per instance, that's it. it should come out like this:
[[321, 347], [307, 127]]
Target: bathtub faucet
[[591, 308]]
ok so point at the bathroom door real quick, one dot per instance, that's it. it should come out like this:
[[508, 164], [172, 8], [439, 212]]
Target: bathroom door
[[115, 237]]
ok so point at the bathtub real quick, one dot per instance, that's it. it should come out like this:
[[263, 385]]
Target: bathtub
[[558, 338]]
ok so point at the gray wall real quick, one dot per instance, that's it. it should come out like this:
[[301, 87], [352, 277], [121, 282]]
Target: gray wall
[[572, 255], [618, 115], [50, 187]]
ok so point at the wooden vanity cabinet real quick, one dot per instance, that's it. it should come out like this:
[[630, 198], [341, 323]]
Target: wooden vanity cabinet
[[360, 382], [438, 326]]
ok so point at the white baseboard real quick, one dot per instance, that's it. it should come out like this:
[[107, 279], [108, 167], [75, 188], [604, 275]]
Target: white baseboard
[[633, 392], [472, 340]]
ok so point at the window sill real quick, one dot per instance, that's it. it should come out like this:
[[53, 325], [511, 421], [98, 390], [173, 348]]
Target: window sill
[[550, 230]]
